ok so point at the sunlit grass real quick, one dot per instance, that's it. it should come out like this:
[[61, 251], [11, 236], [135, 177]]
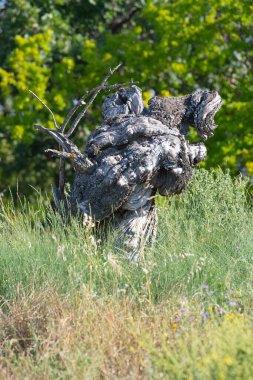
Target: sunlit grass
[[73, 308]]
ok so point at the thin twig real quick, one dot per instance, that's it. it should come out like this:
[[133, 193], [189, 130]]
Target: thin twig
[[50, 111], [88, 93], [96, 92], [59, 153], [62, 177], [56, 135]]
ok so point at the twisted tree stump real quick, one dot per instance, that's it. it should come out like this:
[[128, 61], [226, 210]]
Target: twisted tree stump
[[134, 154]]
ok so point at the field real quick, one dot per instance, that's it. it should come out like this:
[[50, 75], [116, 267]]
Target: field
[[75, 309]]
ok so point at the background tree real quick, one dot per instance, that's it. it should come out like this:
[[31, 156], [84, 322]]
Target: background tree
[[61, 48]]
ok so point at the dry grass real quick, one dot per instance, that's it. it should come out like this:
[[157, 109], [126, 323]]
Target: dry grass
[[81, 337], [45, 336]]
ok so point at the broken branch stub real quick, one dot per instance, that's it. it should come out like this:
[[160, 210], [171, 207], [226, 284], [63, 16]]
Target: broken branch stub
[[136, 153]]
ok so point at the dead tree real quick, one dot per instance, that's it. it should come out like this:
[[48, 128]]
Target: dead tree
[[136, 153]]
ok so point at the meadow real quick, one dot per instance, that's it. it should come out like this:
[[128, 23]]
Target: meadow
[[73, 308]]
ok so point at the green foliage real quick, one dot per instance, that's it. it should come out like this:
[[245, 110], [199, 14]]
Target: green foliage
[[61, 48]]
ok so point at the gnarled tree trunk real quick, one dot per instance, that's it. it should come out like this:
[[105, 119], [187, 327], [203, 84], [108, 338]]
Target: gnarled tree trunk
[[133, 155]]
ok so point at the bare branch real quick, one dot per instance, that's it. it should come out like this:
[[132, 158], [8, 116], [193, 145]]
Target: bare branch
[[87, 94], [61, 139], [60, 203], [49, 110], [116, 25], [62, 177], [79, 161], [96, 92], [58, 153], [119, 85]]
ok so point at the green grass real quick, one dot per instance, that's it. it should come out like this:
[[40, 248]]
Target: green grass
[[185, 311]]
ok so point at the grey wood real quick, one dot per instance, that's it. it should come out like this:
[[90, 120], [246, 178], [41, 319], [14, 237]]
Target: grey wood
[[134, 155]]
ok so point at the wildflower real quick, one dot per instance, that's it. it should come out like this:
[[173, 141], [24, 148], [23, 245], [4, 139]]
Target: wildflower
[[232, 303], [182, 310], [174, 326], [206, 314], [230, 316], [205, 286]]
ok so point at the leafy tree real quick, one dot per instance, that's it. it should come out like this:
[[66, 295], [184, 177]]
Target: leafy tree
[[61, 48]]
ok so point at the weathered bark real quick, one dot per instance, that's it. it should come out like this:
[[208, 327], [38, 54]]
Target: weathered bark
[[133, 155], [196, 110]]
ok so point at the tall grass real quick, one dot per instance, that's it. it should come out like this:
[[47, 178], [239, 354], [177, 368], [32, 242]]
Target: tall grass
[[74, 308], [205, 238]]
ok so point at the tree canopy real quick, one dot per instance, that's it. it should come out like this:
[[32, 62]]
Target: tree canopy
[[61, 48]]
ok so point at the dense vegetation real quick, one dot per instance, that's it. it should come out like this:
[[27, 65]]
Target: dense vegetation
[[73, 308], [61, 48]]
